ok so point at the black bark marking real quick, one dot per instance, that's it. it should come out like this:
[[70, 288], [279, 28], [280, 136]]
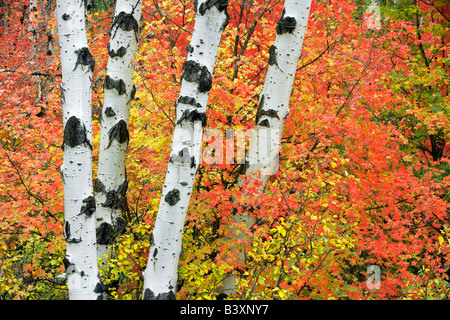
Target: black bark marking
[[155, 252], [99, 186], [117, 198], [66, 16], [119, 132], [195, 6], [119, 85], [261, 103], [89, 206], [191, 71], [286, 24], [120, 226], [67, 229], [192, 162], [99, 297], [150, 295], [172, 197], [182, 156], [260, 108], [126, 22], [189, 49], [189, 101], [67, 264], [170, 295], [116, 53], [205, 80], [195, 72], [269, 113], [221, 5], [245, 167], [105, 234], [122, 189], [75, 133], [99, 288], [85, 58], [221, 296], [265, 123], [68, 234], [70, 267], [88, 5], [110, 199], [132, 93], [273, 55], [62, 176], [152, 239], [193, 115], [109, 112], [63, 94]]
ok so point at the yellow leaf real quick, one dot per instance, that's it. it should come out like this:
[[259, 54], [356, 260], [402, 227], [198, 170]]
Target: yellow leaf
[[281, 230]]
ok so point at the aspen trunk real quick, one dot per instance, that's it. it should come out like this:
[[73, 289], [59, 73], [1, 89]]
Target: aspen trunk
[[160, 276], [265, 141], [111, 183], [33, 6], [373, 21], [77, 65]]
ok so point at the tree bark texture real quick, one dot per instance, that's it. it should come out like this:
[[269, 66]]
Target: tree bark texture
[[160, 276], [77, 65], [265, 141], [111, 183]]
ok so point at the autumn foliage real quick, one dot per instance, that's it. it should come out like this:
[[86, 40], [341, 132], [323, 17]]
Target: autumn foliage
[[364, 171]]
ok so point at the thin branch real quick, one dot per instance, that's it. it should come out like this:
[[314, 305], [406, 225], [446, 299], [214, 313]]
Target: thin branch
[[32, 194], [161, 108]]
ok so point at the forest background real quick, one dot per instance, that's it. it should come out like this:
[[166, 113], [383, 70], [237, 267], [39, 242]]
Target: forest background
[[364, 169]]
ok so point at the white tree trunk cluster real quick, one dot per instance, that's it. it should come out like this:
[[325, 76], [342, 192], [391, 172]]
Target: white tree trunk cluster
[[161, 274], [93, 224]]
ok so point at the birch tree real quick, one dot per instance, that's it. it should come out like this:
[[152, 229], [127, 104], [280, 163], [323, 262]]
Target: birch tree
[[265, 141], [111, 183], [373, 21], [160, 276], [77, 65]]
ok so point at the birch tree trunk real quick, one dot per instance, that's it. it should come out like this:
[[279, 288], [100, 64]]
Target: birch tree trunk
[[161, 274], [33, 6], [77, 65], [111, 183], [373, 21], [265, 141]]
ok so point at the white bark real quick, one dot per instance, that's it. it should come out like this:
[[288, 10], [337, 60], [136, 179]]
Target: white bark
[[160, 276], [265, 142], [274, 98], [33, 6], [77, 65], [111, 184], [374, 20], [33, 13]]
